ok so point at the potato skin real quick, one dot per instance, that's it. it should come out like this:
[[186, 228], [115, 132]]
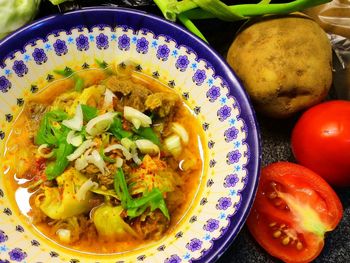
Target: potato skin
[[285, 64]]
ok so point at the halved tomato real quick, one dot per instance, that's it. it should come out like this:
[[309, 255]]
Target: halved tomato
[[293, 209]]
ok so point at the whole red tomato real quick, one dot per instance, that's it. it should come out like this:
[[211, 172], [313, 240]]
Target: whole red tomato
[[321, 141]]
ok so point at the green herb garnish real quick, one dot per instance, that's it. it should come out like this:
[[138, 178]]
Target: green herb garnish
[[147, 133], [88, 112], [117, 130], [57, 167], [104, 157], [50, 130], [68, 72], [137, 206], [53, 133]]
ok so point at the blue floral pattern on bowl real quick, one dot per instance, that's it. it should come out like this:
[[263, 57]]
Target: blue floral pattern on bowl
[[20, 68], [82, 42], [5, 84], [124, 42], [102, 41], [39, 56], [220, 195], [60, 47]]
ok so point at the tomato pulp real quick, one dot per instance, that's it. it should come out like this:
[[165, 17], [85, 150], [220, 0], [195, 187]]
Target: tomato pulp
[[321, 141], [293, 209]]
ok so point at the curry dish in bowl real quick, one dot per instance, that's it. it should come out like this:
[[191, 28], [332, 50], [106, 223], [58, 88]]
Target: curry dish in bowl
[[109, 159]]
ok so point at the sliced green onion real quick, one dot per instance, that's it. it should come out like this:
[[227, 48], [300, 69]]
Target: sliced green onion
[[80, 150], [181, 131], [81, 163], [84, 188], [74, 139], [48, 133], [173, 145], [102, 64], [148, 133], [57, 167], [127, 143], [118, 146], [117, 130], [79, 84], [119, 162], [137, 118], [147, 147], [108, 100], [66, 72], [100, 124], [76, 123], [89, 112], [43, 154], [135, 207], [106, 158], [96, 159]]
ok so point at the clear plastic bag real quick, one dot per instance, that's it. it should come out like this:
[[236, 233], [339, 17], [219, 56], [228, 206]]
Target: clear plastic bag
[[334, 18]]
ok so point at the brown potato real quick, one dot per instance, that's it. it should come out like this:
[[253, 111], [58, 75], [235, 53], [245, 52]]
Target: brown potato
[[285, 64]]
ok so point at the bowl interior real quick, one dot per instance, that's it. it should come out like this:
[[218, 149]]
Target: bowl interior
[[181, 61]]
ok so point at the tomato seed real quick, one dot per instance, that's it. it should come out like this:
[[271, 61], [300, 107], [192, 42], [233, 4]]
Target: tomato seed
[[277, 234], [286, 241], [273, 195], [272, 224], [278, 202], [299, 246]]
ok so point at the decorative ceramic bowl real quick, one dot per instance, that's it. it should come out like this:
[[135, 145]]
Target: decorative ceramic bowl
[[188, 66]]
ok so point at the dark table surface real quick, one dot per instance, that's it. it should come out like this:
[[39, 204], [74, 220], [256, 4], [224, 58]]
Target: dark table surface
[[275, 135]]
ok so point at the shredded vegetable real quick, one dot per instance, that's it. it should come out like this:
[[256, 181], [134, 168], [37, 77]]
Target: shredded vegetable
[[118, 146], [80, 150], [96, 159]]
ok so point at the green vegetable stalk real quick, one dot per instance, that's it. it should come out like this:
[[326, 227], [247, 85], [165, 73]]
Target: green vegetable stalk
[[188, 10], [136, 207], [89, 112], [147, 133], [117, 130], [57, 167], [68, 72], [52, 133]]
